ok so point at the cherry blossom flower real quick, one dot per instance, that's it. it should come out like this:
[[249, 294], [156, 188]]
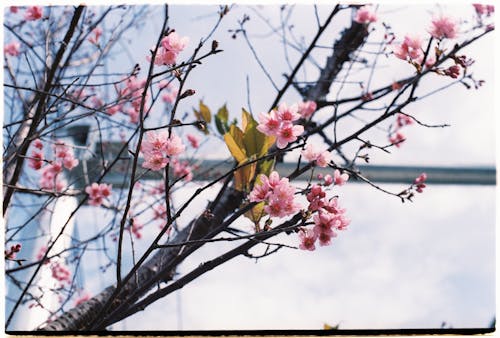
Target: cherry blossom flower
[[182, 169], [36, 160], [269, 123], [328, 180], [155, 162], [95, 35], [12, 48], [154, 142], [397, 139], [277, 193], [38, 144], [339, 178], [307, 108], [288, 133], [403, 120], [193, 140], [14, 9], [97, 193], [365, 15], [174, 145], [173, 42], [60, 272], [320, 157], [41, 254], [288, 114], [136, 228], [444, 27], [307, 239], [33, 13], [419, 182], [410, 48], [14, 249]]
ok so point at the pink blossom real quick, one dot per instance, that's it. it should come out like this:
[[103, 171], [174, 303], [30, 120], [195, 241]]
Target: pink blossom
[[193, 140], [269, 124], [403, 120], [38, 144], [411, 48], [70, 162], [12, 48], [113, 109], [306, 109], [328, 180], [36, 160], [173, 42], [182, 169], [95, 35], [307, 239], [98, 192], [164, 84], [332, 206], [155, 161], [287, 134], [419, 182], [169, 97], [154, 142], [136, 228], [60, 272], [33, 13], [320, 157], [339, 178], [325, 237], [277, 193], [288, 114], [444, 27], [316, 197], [397, 139], [174, 145], [365, 15], [14, 9]]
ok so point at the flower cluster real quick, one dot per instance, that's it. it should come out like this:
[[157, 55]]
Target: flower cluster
[[60, 272], [14, 249], [484, 9], [411, 50], [396, 137], [51, 173], [131, 98], [444, 27], [278, 195], [365, 15], [136, 227], [33, 13], [171, 46], [157, 149], [320, 157], [419, 182], [328, 217], [98, 192], [279, 123], [12, 48]]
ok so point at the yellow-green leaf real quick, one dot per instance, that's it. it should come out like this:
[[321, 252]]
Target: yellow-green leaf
[[243, 176], [237, 134], [256, 213], [236, 150]]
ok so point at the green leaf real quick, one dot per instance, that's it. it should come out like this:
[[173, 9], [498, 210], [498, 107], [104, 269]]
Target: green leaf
[[221, 127], [223, 114], [266, 167]]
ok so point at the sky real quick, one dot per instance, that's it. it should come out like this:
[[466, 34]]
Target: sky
[[412, 265]]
